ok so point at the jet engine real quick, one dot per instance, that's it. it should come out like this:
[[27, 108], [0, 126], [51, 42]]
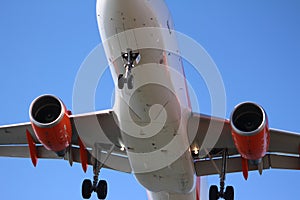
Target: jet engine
[[250, 130], [51, 123]]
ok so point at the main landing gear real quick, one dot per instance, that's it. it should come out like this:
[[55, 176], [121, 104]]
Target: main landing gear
[[129, 58], [99, 187], [228, 194]]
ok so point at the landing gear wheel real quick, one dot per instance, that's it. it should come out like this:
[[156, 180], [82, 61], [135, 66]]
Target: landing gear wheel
[[86, 189], [121, 81], [213, 192], [101, 189], [229, 193], [130, 82]]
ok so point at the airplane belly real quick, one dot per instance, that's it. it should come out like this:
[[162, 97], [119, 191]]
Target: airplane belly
[[176, 178], [153, 126], [153, 114]]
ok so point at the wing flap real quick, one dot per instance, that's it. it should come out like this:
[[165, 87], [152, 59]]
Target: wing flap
[[23, 152], [284, 162], [115, 162], [234, 164]]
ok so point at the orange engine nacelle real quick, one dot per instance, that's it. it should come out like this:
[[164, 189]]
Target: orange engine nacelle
[[51, 123], [250, 130]]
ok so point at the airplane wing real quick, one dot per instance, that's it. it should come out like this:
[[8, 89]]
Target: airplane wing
[[13, 140], [283, 151]]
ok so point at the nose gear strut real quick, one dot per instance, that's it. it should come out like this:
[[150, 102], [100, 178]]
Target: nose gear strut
[[129, 58]]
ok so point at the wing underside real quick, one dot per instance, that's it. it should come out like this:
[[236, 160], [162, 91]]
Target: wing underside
[[283, 152], [13, 141]]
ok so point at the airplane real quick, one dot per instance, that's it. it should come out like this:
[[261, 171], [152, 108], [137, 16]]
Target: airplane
[[218, 155]]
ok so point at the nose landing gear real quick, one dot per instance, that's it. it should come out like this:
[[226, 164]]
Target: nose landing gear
[[228, 194], [129, 58], [122, 80]]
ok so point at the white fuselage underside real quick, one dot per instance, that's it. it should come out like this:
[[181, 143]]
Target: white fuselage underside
[[153, 115]]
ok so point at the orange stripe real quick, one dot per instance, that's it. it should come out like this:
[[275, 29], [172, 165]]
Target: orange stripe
[[186, 87], [198, 188]]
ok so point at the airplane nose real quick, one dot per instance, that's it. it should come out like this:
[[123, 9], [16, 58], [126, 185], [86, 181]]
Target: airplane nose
[[115, 16], [129, 14], [121, 9]]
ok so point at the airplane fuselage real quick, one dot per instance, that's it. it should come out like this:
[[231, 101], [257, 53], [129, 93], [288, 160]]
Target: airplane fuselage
[[153, 115]]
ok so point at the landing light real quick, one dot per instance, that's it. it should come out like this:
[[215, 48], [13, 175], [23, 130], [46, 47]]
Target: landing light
[[196, 151], [122, 148]]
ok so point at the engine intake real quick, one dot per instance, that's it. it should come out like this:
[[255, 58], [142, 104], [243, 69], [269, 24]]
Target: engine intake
[[248, 118], [250, 130], [46, 110]]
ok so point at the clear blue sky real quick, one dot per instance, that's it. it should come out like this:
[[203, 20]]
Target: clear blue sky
[[255, 44]]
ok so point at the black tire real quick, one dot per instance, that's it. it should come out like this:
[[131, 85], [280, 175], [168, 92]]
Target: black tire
[[229, 193], [101, 189], [213, 192], [86, 189], [130, 82], [121, 81]]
